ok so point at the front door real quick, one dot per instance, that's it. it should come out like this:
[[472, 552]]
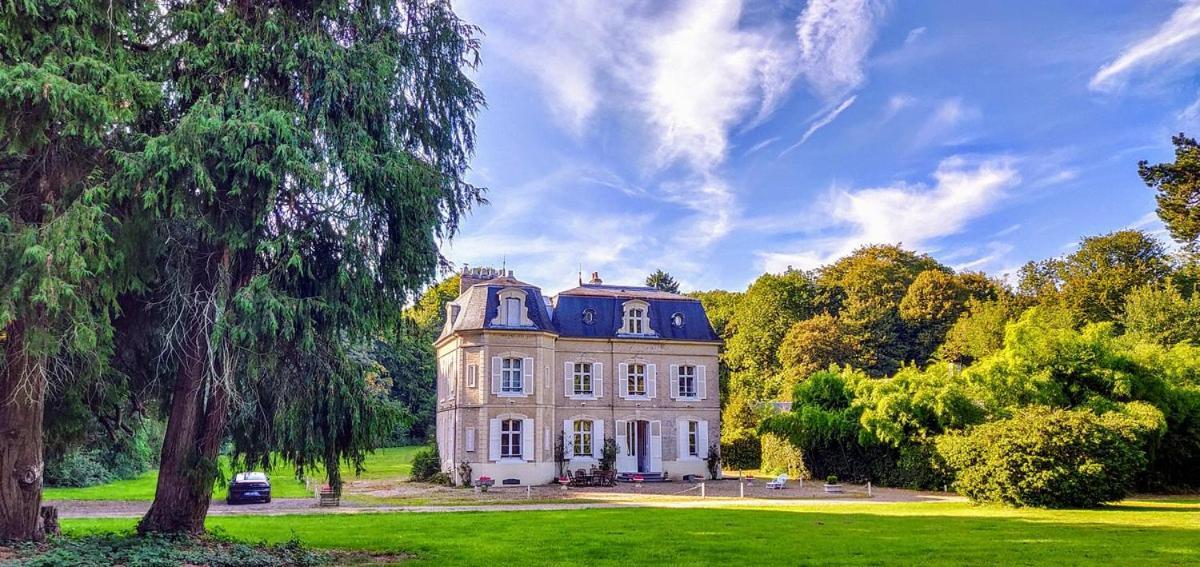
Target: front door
[[639, 446]]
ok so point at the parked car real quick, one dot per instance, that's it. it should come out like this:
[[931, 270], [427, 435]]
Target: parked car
[[249, 487]]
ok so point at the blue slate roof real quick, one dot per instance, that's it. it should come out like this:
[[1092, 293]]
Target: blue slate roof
[[569, 308], [479, 305]]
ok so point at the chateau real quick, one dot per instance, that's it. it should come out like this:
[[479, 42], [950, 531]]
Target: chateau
[[517, 369]]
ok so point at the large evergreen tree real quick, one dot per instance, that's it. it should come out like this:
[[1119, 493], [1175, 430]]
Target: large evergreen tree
[[1177, 188], [67, 95], [311, 156]]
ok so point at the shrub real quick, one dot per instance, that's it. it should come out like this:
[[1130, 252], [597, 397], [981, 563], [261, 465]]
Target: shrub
[[741, 449], [1046, 458], [78, 468], [780, 456], [608, 454], [426, 464]]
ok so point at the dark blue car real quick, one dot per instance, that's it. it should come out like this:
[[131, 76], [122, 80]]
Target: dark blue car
[[249, 487]]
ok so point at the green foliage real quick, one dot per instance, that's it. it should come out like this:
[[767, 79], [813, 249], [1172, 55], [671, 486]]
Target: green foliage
[[106, 460], [156, 551], [1047, 458], [1161, 314], [978, 332], [780, 456], [608, 454], [662, 281], [740, 449], [1177, 190], [762, 317], [1096, 278], [815, 344], [426, 464], [719, 306]]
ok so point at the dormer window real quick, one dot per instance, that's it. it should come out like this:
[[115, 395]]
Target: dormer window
[[589, 316], [512, 309], [677, 320], [636, 320]]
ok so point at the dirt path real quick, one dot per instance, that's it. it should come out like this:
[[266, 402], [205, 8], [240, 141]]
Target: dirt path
[[718, 494]]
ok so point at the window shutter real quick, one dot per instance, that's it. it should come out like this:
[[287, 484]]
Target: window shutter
[[598, 379], [703, 448], [495, 375], [494, 439], [651, 380], [623, 380], [674, 393], [528, 434], [527, 375], [472, 375], [597, 438], [655, 446], [701, 382], [568, 379], [681, 447], [568, 439], [624, 461], [470, 439]]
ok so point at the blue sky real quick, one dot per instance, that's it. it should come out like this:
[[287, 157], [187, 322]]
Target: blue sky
[[720, 139]]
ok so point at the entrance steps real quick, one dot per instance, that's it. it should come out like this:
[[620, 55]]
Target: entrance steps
[[642, 477]]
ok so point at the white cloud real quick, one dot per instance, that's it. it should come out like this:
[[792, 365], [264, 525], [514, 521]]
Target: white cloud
[[944, 121], [1178, 39], [761, 145], [914, 215], [913, 35], [835, 37], [821, 122]]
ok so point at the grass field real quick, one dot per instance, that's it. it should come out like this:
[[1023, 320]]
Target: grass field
[[392, 462], [1136, 532]]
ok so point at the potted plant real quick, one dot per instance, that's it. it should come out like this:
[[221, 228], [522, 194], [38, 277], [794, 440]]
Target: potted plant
[[832, 486], [484, 482]]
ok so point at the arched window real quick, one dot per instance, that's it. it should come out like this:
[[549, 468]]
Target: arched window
[[636, 320]]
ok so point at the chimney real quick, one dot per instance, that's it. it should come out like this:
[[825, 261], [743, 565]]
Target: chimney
[[472, 276], [596, 279]]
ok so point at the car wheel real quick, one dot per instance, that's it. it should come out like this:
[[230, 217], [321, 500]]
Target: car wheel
[[267, 501], [228, 501]]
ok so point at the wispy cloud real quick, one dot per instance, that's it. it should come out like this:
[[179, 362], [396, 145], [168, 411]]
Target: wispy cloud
[[943, 122], [1178, 39], [821, 122], [914, 35], [1191, 113], [913, 214], [835, 37]]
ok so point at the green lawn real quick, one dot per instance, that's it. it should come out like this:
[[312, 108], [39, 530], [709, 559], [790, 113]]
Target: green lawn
[[391, 462], [1137, 532]]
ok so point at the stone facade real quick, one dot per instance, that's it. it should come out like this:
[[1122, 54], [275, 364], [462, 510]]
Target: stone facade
[[631, 364]]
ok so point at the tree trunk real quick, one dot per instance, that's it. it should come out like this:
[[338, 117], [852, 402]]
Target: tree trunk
[[22, 398], [191, 443]]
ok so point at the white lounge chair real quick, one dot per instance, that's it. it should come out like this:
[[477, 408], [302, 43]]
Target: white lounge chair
[[779, 483]]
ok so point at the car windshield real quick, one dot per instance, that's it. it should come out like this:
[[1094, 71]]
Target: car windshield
[[250, 477]]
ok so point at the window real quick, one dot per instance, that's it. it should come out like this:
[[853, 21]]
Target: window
[[687, 382], [582, 438], [637, 379], [512, 312], [589, 316], [636, 321], [693, 438], [583, 379], [510, 439], [511, 376], [677, 320], [472, 375]]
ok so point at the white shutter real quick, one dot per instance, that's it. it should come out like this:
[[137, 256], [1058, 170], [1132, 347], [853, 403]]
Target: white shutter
[[651, 379], [528, 434], [701, 382], [527, 375], [472, 375], [681, 447], [598, 379], [625, 462], [470, 440], [568, 383], [674, 393], [597, 438], [623, 380], [495, 375], [494, 439], [656, 446], [703, 448], [568, 438]]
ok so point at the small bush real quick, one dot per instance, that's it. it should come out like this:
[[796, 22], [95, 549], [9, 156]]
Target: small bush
[[156, 551], [1045, 458], [741, 449], [831, 479], [78, 468], [426, 464]]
